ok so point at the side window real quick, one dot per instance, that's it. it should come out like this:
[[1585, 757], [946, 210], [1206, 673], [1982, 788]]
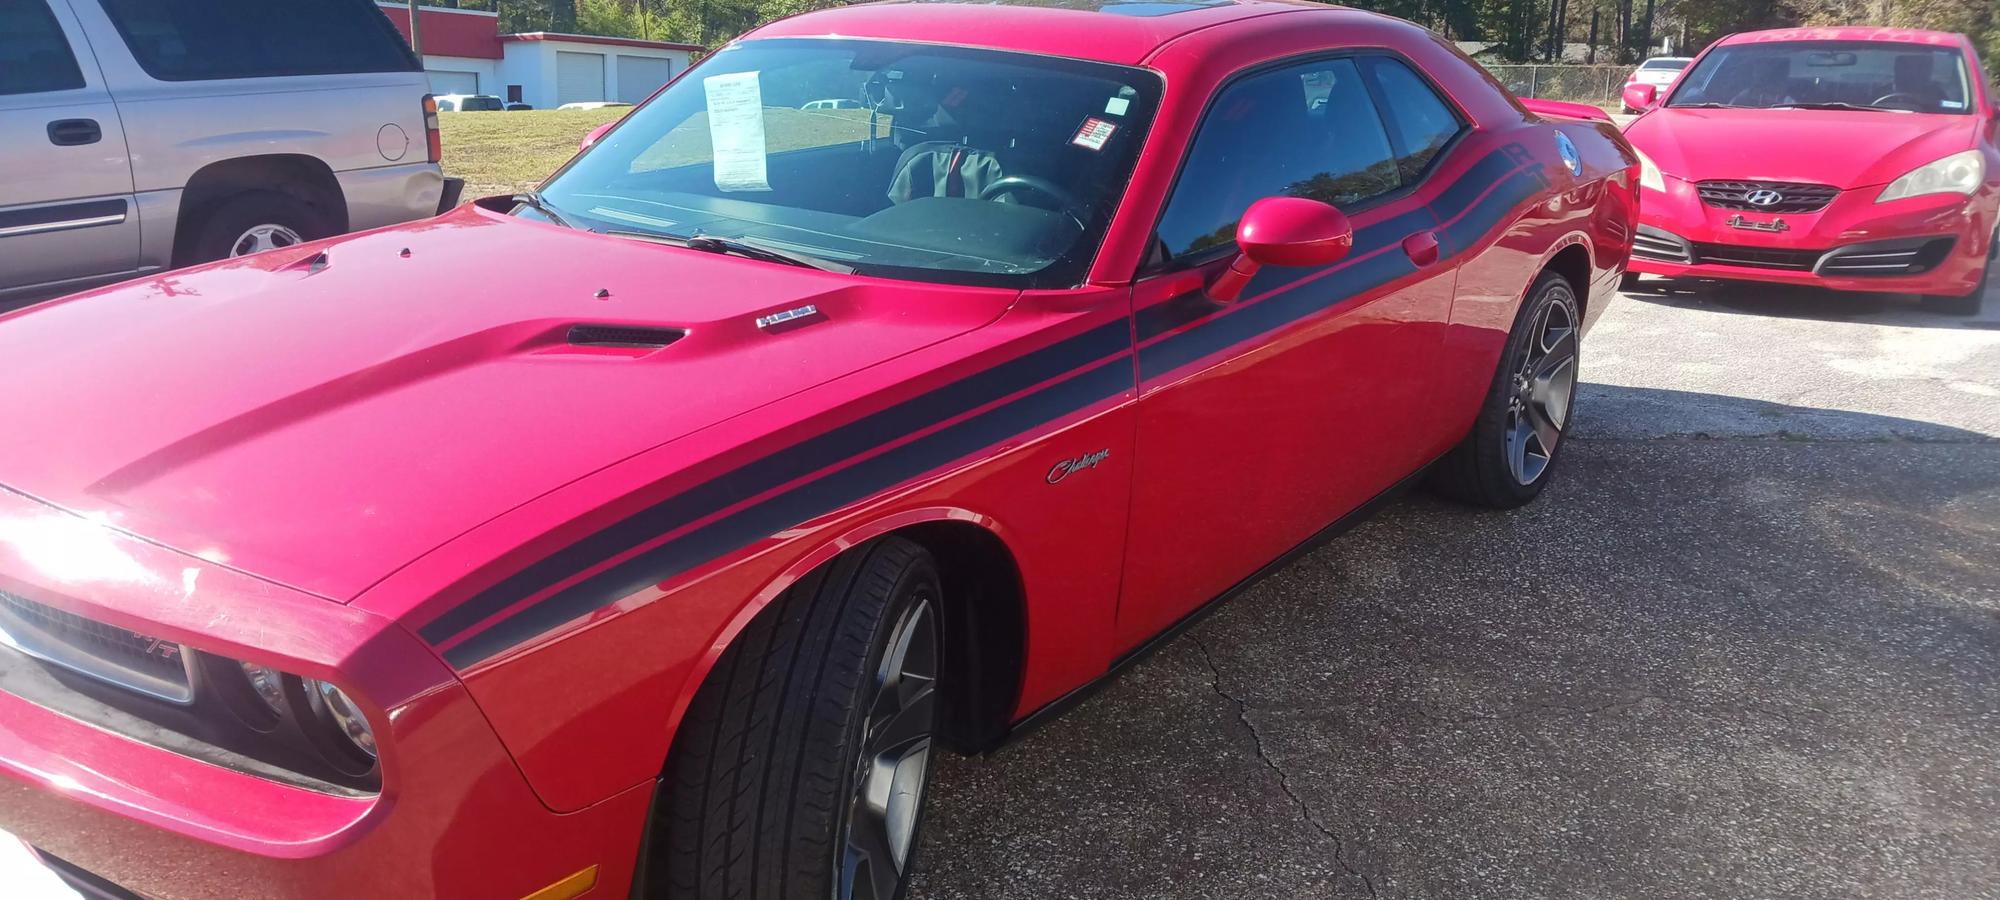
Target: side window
[[1308, 130], [34, 55], [210, 39], [1420, 121]]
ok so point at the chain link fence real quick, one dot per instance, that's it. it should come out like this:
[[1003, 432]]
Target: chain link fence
[[1600, 85]]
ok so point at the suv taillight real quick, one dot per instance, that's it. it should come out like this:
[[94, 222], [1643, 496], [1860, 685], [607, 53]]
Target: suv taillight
[[431, 137]]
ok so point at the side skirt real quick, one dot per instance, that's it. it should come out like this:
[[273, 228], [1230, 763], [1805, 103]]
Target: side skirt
[[1066, 702]]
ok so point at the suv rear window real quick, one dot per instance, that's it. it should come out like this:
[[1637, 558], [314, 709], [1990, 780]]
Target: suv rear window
[[215, 39]]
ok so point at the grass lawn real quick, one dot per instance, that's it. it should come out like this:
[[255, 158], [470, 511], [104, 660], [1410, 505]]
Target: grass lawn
[[506, 152]]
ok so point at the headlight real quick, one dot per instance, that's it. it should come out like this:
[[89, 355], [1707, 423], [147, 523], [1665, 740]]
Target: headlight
[[1649, 174], [1959, 173], [349, 724], [268, 685]]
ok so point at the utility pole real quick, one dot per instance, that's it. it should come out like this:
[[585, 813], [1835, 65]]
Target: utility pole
[[416, 32]]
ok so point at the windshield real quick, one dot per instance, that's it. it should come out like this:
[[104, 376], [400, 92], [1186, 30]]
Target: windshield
[[1830, 74], [904, 160], [486, 104]]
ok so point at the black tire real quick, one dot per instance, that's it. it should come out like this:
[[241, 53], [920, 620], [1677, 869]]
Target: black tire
[[217, 231], [1628, 282], [1480, 470], [762, 784]]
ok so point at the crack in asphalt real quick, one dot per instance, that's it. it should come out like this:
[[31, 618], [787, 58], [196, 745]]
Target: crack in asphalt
[[1284, 779]]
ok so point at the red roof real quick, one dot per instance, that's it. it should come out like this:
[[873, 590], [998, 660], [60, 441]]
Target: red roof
[[451, 32], [1117, 31], [594, 39]]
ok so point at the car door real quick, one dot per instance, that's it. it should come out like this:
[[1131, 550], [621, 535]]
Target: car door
[[66, 205], [1262, 421]]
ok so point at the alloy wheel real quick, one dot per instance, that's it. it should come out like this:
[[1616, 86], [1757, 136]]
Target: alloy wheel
[[259, 238], [1543, 385], [881, 818]]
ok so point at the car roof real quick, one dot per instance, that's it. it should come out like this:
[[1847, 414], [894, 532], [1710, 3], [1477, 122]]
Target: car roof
[[1849, 33], [1115, 31]]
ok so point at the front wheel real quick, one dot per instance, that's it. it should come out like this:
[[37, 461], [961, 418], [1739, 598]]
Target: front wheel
[[1507, 458], [801, 766]]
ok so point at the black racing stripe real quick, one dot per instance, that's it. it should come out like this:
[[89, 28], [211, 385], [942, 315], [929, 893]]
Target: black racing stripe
[[803, 503], [1518, 187], [1161, 318], [1465, 191], [1271, 313], [793, 462]]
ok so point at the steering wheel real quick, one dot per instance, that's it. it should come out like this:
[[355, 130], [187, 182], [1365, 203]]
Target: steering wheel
[[1065, 201], [1915, 102]]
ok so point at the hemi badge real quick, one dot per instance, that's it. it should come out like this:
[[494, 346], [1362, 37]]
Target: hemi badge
[[779, 318]]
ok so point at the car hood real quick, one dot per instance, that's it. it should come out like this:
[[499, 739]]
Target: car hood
[[320, 420], [1843, 148]]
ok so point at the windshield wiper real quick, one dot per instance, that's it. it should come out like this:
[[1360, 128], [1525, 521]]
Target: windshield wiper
[[1834, 105], [533, 200], [1708, 104], [743, 247]]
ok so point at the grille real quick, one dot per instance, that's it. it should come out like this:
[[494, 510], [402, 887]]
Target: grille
[[1903, 258], [1653, 243], [1798, 198], [623, 336], [107, 653], [1757, 257]]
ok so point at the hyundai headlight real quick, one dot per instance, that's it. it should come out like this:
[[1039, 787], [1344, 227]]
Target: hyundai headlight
[[1649, 174], [1959, 173]]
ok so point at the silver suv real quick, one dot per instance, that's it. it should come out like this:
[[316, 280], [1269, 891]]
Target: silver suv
[[138, 135]]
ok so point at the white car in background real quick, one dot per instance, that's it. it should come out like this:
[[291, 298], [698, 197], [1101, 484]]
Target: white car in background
[[1659, 72]]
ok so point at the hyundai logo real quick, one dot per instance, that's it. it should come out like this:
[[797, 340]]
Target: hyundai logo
[[1764, 197]]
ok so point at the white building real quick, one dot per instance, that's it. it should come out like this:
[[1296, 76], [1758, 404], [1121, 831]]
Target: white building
[[465, 53]]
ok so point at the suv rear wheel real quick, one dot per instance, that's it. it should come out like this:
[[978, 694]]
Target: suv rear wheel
[[255, 221], [801, 766]]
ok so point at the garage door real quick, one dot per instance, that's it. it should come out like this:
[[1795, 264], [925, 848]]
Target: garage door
[[579, 77], [453, 82], [640, 76]]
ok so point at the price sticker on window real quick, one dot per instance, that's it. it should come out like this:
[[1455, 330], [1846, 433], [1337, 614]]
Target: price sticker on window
[[1093, 134]]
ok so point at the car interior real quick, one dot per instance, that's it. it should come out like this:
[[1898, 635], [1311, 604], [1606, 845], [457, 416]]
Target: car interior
[[1883, 76], [956, 160]]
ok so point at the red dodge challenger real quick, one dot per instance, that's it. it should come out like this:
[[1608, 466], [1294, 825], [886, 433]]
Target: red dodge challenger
[[1858, 159], [884, 382]]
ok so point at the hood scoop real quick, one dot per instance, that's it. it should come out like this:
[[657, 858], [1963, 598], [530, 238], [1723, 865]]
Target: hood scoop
[[624, 337]]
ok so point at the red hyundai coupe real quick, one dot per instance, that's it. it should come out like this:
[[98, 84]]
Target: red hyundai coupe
[[884, 382], [1857, 159]]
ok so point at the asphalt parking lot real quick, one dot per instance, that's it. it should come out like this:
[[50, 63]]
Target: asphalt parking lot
[[1747, 645]]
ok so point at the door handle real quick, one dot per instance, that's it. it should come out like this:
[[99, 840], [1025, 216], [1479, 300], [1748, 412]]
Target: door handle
[[1422, 248], [74, 132]]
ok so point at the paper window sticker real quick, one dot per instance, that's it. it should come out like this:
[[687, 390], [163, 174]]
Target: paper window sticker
[[1093, 134], [1116, 106], [736, 129]]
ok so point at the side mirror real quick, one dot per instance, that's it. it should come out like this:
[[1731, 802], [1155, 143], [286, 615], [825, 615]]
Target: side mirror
[[1283, 231], [1641, 96], [594, 134]]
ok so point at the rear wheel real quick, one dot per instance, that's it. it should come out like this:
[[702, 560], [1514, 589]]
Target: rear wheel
[[255, 221], [800, 769], [1508, 456]]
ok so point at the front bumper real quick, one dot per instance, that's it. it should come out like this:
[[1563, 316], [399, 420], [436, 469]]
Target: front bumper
[[1935, 245], [453, 816]]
